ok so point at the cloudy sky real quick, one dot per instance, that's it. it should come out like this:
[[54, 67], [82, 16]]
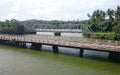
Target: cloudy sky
[[52, 9]]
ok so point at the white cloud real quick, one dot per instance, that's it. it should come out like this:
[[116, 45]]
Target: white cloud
[[52, 9], [11, 15], [14, 8]]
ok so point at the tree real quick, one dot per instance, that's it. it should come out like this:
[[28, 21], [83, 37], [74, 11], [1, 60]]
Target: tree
[[117, 31], [19, 29], [110, 13]]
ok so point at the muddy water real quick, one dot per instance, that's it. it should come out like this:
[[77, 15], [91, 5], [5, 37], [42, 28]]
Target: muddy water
[[20, 61]]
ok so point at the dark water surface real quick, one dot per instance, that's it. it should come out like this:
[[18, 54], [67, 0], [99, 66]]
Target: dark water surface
[[20, 61]]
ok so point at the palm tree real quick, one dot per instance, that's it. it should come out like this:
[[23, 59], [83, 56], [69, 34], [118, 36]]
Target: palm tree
[[117, 14], [110, 13]]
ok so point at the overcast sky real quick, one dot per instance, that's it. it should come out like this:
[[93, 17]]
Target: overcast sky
[[52, 9]]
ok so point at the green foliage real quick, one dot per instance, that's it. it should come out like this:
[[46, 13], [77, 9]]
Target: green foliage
[[101, 21], [116, 29], [86, 35], [106, 35], [11, 27], [106, 21]]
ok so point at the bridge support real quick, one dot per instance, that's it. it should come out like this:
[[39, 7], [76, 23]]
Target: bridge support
[[24, 45], [81, 52], [114, 56], [55, 49], [57, 33], [36, 46], [21, 44], [17, 44]]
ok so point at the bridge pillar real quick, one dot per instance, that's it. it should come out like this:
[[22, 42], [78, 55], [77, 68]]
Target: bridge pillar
[[114, 56], [5, 42], [57, 33], [36, 46], [81, 52], [21, 44], [55, 49], [16, 43], [0, 41]]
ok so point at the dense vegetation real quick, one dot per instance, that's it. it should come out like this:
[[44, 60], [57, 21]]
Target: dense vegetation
[[11, 27], [106, 21]]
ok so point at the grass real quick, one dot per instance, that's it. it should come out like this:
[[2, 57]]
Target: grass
[[105, 35]]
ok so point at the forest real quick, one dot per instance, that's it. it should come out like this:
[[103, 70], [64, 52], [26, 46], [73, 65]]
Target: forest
[[106, 24], [11, 27]]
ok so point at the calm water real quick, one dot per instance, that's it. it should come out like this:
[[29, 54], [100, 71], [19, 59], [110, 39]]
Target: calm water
[[19, 61]]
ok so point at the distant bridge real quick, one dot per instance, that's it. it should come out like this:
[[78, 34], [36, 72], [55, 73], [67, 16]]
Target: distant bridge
[[85, 29], [60, 30]]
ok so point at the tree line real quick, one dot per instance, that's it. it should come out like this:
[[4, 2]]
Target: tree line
[[105, 21], [11, 27]]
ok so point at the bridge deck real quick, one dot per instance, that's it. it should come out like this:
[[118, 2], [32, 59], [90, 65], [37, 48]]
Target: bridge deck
[[60, 30], [61, 42]]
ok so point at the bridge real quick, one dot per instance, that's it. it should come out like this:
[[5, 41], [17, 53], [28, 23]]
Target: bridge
[[57, 32], [38, 41], [60, 30], [85, 29]]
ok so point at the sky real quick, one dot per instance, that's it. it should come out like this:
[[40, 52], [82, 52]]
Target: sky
[[52, 9]]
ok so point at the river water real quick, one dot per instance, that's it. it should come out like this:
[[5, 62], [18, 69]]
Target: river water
[[22, 61]]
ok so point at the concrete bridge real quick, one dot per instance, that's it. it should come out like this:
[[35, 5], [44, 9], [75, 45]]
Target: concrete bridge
[[38, 41], [57, 32]]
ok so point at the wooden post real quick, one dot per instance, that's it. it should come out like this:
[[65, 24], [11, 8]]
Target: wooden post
[[81, 52], [55, 49]]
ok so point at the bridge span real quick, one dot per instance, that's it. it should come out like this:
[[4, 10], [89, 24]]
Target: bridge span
[[57, 32], [60, 30], [38, 41]]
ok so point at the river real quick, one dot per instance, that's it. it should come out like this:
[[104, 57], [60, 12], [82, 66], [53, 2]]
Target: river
[[22, 61]]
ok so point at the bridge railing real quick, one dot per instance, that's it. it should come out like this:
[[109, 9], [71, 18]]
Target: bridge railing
[[58, 30]]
